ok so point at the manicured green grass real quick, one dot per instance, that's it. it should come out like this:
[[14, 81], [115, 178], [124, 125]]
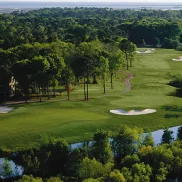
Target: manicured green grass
[[76, 120]]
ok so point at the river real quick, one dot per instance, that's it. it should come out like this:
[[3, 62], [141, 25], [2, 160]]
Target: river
[[157, 135], [18, 170]]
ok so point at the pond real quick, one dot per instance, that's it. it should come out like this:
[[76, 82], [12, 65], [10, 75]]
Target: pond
[[157, 135], [12, 170]]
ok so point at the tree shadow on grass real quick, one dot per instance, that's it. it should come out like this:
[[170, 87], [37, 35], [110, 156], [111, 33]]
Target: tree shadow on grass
[[177, 93], [60, 90], [172, 108], [169, 116]]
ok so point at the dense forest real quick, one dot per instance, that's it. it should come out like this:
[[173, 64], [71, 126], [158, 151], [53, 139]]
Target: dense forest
[[42, 48], [84, 25]]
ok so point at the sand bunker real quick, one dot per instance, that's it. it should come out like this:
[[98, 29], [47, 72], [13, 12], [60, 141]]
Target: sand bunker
[[148, 51], [133, 112], [5, 109], [179, 59]]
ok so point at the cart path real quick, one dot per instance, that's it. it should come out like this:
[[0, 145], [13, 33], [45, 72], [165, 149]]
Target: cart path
[[127, 83]]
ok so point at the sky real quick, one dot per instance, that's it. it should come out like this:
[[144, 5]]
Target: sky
[[156, 1]]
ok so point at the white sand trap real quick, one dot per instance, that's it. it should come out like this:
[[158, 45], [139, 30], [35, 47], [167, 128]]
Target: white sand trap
[[5, 109], [179, 59], [133, 112], [148, 51]]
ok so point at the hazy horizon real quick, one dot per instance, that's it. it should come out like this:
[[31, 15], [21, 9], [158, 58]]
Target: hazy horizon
[[115, 4], [96, 1]]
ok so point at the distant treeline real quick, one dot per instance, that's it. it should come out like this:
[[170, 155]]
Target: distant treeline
[[87, 24]]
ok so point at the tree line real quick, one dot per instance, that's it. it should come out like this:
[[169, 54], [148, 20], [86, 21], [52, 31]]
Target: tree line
[[37, 67], [127, 156], [88, 24]]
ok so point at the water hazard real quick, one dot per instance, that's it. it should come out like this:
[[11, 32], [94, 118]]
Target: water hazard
[[157, 135], [16, 170], [9, 169]]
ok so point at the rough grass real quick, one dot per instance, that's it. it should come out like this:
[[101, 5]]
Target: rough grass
[[76, 120]]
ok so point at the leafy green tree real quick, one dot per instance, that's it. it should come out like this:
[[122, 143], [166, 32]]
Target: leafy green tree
[[54, 83], [176, 165], [104, 68], [93, 169], [94, 180], [115, 62], [101, 149], [79, 67], [68, 76], [125, 142], [132, 54], [167, 136], [138, 173], [130, 160], [176, 80], [161, 174], [48, 160], [30, 178], [148, 140], [128, 49], [145, 153], [80, 32], [115, 176], [30, 162], [57, 64], [40, 67], [74, 159], [54, 179], [171, 43], [161, 154], [140, 29], [23, 74], [7, 59], [160, 158], [89, 55], [179, 48], [53, 157]]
